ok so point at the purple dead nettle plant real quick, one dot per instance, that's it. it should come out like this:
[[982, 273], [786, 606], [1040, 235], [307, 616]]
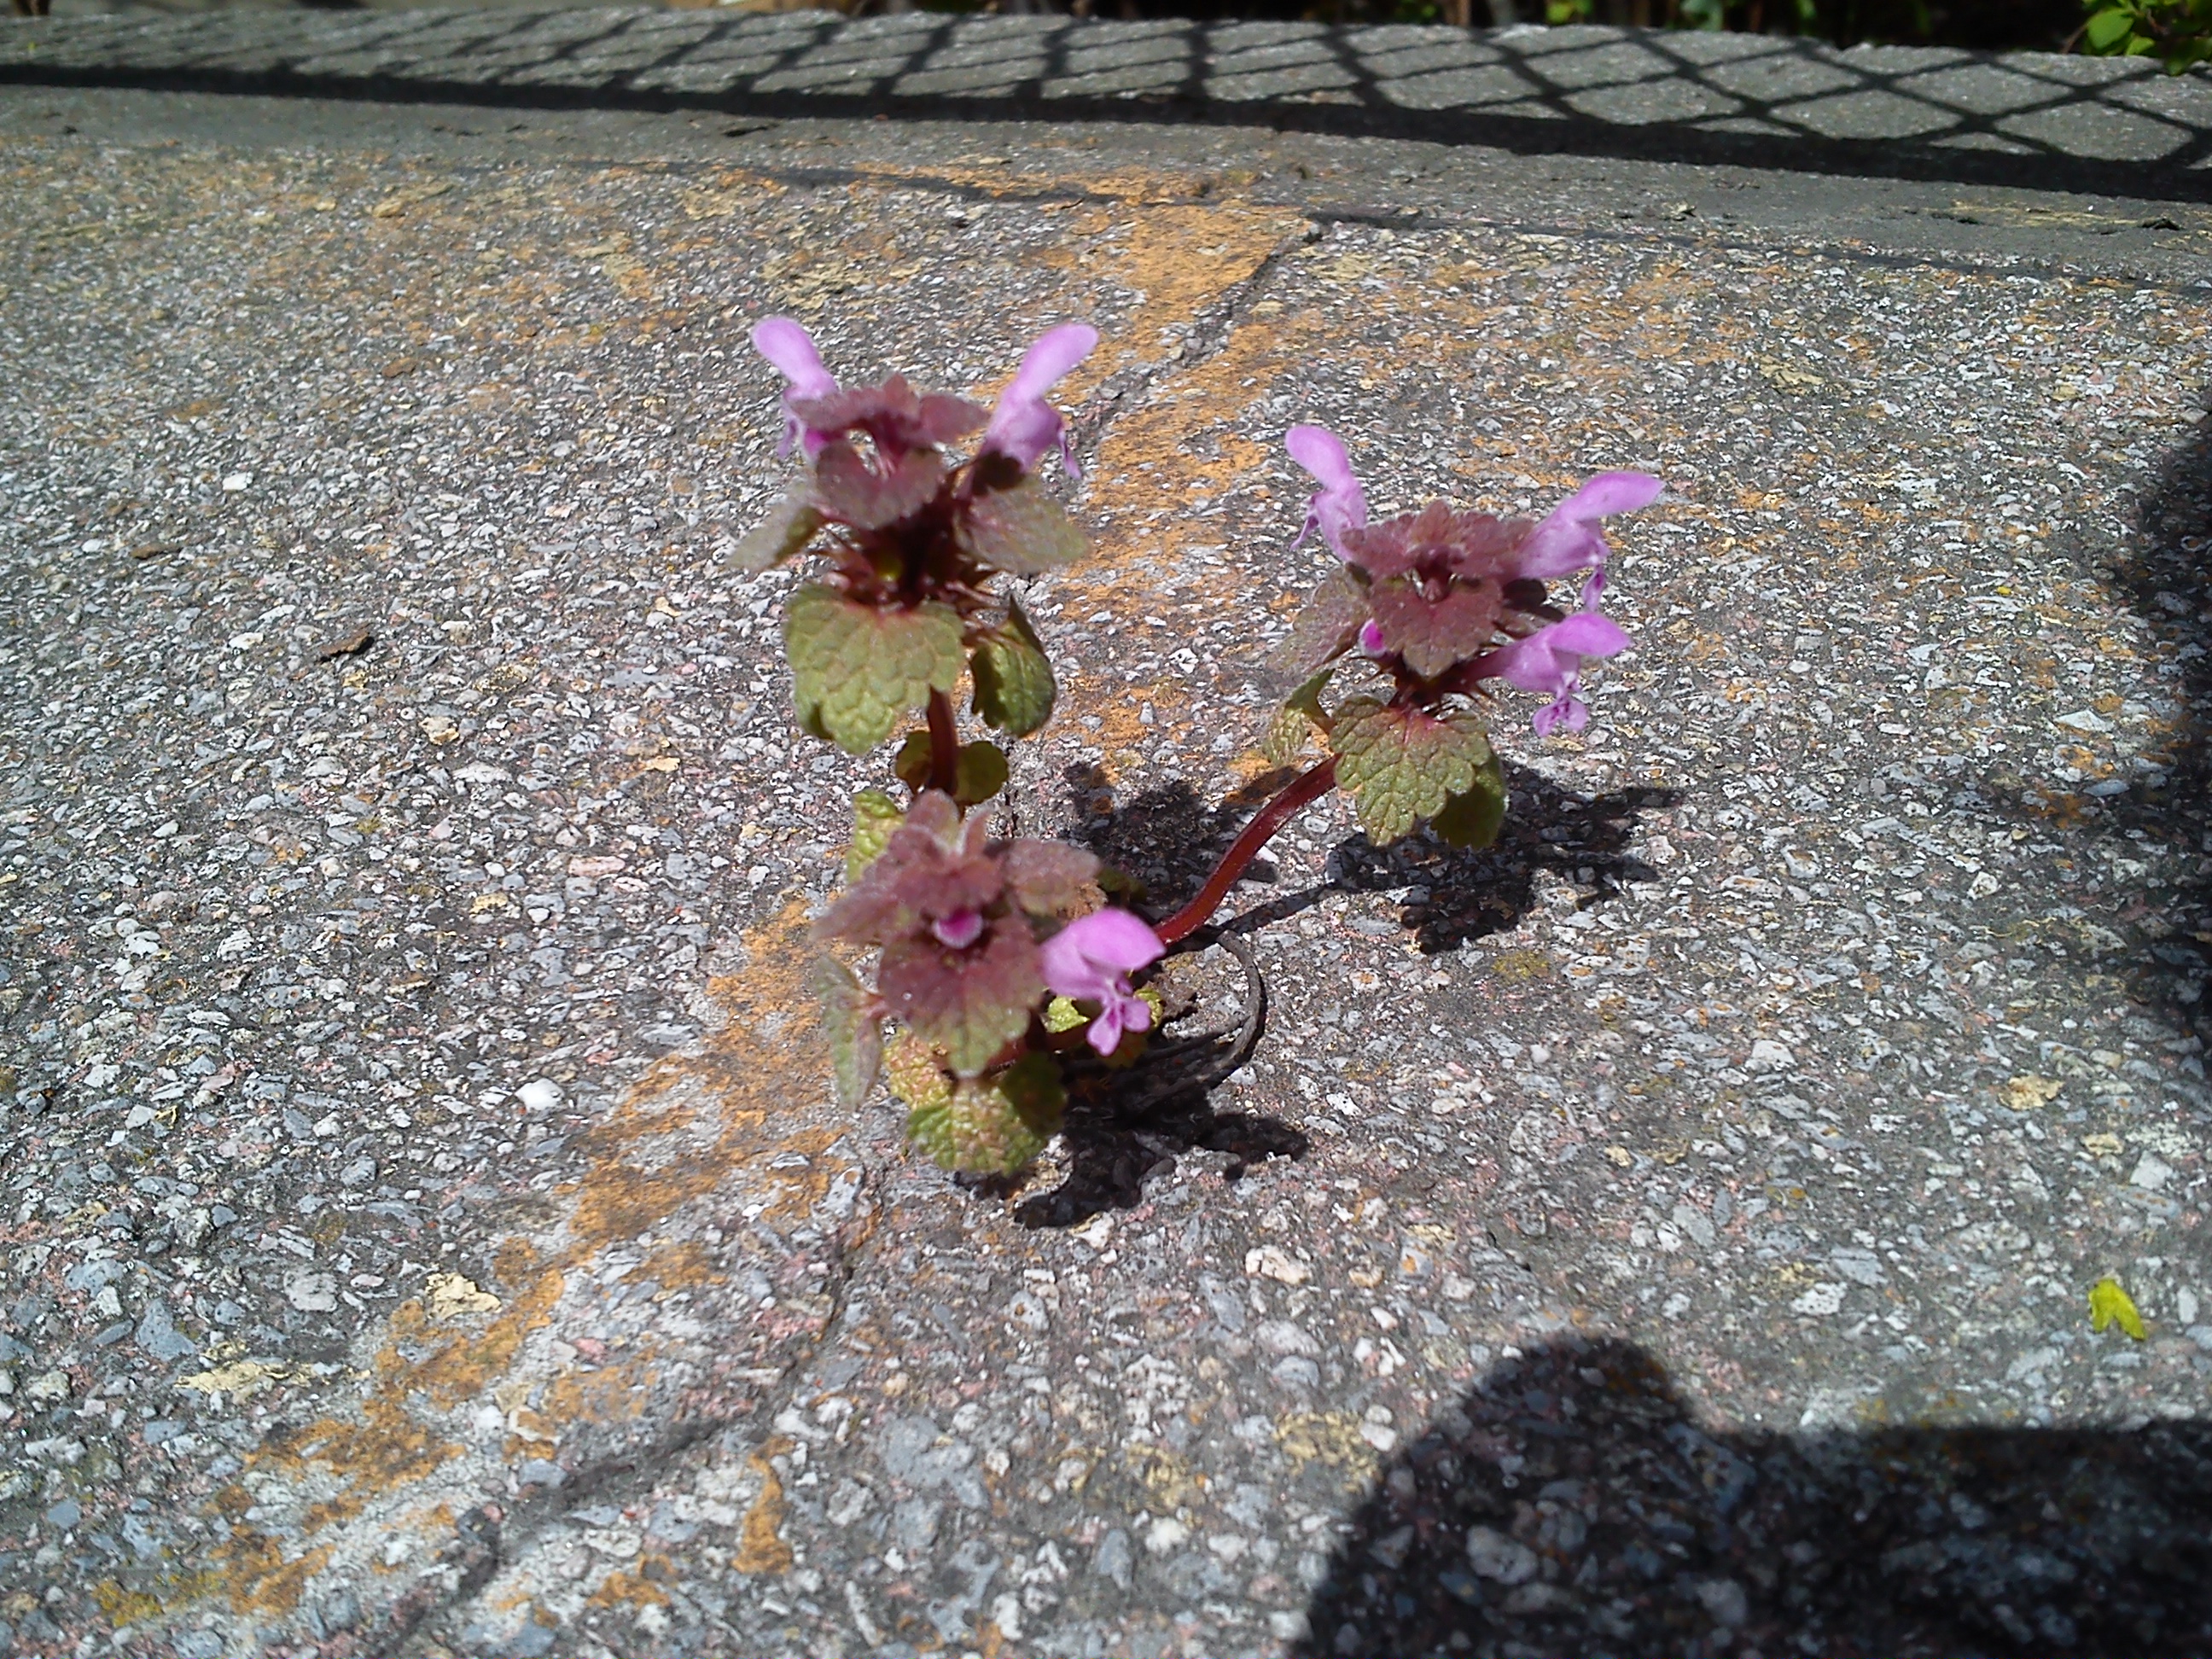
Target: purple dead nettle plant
[[998, 960]]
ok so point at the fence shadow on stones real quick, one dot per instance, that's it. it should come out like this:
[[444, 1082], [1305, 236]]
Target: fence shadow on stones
[[1753, 100], [1571, 1503]]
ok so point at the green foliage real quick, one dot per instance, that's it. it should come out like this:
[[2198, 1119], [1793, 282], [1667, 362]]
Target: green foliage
[[996, 1124], [979, 769], [970, 1004], [915, 1074], [1300, 716], [1014, 687], [1471, 819], [2109, 1305], [875, 817], [1020, 530], [2178, 32], [854, 1026], [791, 524], [1402, 764], [857, 669]]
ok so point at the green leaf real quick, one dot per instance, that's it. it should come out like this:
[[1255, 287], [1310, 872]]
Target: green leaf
[[1021, 530], [1300, 716], [1013, 679], [2109, 1305], [1328, 626], [2107, 29], [979, 772], [968, 1003], [1402, 764], [911, 764], [1472, 820], [790, 524], [912, 1070], [855, 1027], [855, 669], [875, 817], [993, 1126], [850, 490]]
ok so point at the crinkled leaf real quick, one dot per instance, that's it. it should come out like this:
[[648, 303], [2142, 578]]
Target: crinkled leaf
[[893, 414], [1013, 678], [915, 1074], [1062, 1016], [849, 489], [994, 1126], [1021, 530], [1300, 716], [1049, 878], [2109, 1305], [968, 1003], [979, 773], [1402, 764], [855, 669], [790, 524], [876, 816], [1432, 634], [927, 868], [1328, 626], [1473, 818], [855, 1027]]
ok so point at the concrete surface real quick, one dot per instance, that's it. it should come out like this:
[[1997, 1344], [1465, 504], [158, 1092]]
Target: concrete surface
[[427, 1228], [2027, 119]]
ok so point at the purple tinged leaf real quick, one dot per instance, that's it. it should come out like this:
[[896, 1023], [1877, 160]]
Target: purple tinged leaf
[[854, 1026], [1048, 878], [971, 1003], [891, 413], [1023, 426], [792, 351], [1090, 960], [1327, 625], [1340, 504], [850, 490], [1432, 633]]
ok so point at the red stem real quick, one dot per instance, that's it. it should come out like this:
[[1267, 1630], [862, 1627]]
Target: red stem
[[943, 744], [1303, 791]]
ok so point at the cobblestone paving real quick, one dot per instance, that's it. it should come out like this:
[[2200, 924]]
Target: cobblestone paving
[[2027, 118], [1669, 1232]]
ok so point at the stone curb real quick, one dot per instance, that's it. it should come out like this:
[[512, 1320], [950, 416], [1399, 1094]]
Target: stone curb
[[2107, 125]]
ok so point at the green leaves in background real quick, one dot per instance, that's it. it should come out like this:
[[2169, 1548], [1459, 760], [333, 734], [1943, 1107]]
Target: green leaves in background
[[1014, 687], [2178, 32], [856, 670], [979, 772], [1299, 717], [875, 815], [1472, 820], [790, 524], [854, 1026], [1020, 530], [995, 1125], [1402, 764]]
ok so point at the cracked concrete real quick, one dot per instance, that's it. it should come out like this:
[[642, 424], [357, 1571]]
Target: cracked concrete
[[409, 859]]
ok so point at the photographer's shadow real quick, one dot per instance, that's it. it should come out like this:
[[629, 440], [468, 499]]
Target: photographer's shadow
[[1572, 1506]]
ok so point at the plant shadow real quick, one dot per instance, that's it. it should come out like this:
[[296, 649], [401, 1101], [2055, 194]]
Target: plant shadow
[[1571, 1503]]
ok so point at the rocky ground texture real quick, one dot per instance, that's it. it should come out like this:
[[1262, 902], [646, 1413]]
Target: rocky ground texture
[[427, 1228]]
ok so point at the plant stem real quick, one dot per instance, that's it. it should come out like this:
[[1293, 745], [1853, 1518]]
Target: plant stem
[[1303, 791], [943, 744]]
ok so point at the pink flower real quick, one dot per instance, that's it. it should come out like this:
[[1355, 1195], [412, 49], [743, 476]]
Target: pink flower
[[1024, 425], [1090, 960], [959, 930], [792, 351], [1550, 660], [1568, 538], [1340, 504]]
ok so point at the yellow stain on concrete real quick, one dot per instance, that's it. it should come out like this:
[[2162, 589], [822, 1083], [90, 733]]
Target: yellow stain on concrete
[[440, 1356], [760, 1548]]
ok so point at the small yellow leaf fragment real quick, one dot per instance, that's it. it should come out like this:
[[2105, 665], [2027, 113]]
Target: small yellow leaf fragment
[[242, 1379], [2101, 1146], [1621, 1155], [2024, 1093], [450, 1295], [2111, 1305], [661, 763]]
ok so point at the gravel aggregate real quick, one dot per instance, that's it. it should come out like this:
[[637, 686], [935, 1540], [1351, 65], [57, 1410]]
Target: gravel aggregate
[[1669, 1231]]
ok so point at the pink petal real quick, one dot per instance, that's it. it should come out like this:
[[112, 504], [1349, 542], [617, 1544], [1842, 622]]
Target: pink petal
[[960, 930], [1023, 425], [1086, 957], [791, 348], [1568, 538], [1341, 504]]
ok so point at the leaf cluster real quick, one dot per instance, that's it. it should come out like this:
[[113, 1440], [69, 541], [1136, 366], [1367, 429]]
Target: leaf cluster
[[2178, 32], [914, 540]]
